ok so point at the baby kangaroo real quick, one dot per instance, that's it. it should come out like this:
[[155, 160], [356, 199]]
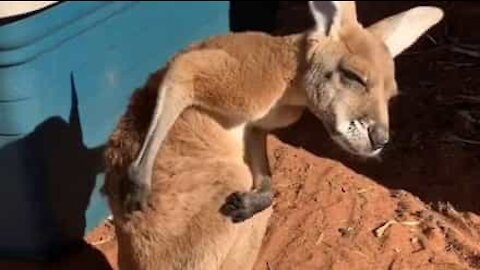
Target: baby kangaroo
[[341, 71]]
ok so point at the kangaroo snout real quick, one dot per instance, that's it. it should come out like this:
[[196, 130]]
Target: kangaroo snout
[[378, 135]]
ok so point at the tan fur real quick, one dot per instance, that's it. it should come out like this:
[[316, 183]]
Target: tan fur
[[249, 83], [200, 164], [342, 72]]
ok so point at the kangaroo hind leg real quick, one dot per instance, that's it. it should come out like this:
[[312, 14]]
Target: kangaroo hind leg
[[171, 101]]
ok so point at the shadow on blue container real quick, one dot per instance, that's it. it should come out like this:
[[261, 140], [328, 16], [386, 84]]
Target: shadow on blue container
[[64, 194], [66, 76]]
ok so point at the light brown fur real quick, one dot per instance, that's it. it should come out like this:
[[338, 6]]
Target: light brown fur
[[341, 71], [200, 164], [253, 83]]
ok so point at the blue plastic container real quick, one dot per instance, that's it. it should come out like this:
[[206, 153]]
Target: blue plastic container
[[66, 75]]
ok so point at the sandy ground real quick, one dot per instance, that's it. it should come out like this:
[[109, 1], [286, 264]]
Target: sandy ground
[[416, 208]]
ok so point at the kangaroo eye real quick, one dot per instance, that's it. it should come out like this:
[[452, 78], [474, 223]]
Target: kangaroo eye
[[350, 77]]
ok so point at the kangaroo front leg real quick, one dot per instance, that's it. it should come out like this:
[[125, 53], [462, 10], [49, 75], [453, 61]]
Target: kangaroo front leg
[[243, 205], [257, 159]]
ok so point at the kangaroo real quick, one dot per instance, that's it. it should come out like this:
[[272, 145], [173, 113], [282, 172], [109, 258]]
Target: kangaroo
[[340, 71], [200, 164]]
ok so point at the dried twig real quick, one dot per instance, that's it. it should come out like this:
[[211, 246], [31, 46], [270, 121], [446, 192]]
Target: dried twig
[[380, 231], [459, 99], [467, 116], [465, 51], [452, 64], [456, 139], [431, 39], [473, 99], [319, 239], [364, 190], [455, 41], [413, 223]]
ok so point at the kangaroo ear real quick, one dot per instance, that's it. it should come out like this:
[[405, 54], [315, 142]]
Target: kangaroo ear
[[330, 16], [400, 31]]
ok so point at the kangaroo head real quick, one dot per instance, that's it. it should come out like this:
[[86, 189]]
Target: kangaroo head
[[350, 75]]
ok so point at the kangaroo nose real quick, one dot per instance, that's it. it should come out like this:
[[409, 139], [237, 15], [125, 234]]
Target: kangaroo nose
[[378, 135]]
